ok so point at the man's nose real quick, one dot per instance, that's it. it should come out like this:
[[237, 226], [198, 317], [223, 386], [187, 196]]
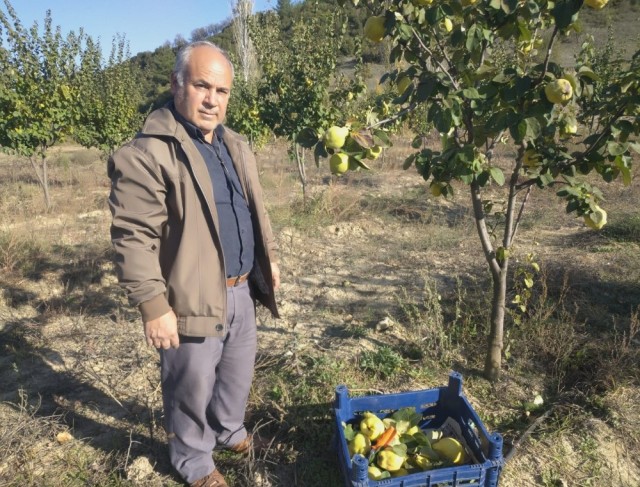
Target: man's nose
[[212, 97]]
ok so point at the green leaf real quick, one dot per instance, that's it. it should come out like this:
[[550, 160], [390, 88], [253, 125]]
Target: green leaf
[[565, 12], [307, 138], [529, 128], [616, 148], [425, 89], [497, 175], [349, 432], [471, 93], [502, 254], [364, 139], [528, 282], [407, 414], [381, 138], [405, 31], [587, 72], [408, 162], [319, 152]]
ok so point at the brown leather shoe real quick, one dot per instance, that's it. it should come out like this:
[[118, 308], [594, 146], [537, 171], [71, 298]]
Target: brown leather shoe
[[251, 442], [214, 479]]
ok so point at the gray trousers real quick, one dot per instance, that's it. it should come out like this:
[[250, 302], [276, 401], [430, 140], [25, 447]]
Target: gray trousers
[[205, 388]]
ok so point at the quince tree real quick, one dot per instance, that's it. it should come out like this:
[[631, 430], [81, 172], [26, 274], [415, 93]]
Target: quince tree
[[298, 84], [478, 97]]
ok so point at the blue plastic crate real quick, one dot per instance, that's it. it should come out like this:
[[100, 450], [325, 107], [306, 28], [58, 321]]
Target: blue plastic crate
[[437, 407]]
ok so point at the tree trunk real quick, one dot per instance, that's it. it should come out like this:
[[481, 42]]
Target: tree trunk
[[242, 11], [302, 173], [498, 260], [498, 265], [42, 175], [495, 343]]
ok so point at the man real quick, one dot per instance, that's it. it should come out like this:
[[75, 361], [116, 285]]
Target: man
[[194, 248]]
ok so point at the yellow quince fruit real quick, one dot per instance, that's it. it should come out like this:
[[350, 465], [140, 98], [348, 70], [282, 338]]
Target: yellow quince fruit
[[371, 426], [374, 472], [374, 28], [558, 91], [335, 137], [390, 460], [374, 152], [596, 4], [597, 219], [450, 449], [339, 163], [360, 444]]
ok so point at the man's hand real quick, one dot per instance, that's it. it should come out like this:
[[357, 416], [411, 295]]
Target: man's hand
[[162, 332], [275, 274]]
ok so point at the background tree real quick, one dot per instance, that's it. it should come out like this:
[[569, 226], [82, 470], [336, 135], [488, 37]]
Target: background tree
[[245, 52], [562, 122], [108, 98], [36, 96], [298, 74]]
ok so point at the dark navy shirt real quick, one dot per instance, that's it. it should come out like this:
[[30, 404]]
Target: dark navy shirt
[[234, 217]]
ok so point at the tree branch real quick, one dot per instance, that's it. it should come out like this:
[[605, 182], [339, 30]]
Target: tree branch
[[430, 53], [395, 117], [481, 225], [548, 55]]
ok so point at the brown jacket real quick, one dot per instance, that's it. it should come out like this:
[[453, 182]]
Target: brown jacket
[[165, 227]]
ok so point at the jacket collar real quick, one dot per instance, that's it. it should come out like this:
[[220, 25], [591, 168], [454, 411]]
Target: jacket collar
[[163, 123]]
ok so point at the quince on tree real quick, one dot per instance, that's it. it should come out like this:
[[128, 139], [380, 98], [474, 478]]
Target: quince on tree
[[374, 28], [531, 159], [569, 127], [597, 219], [422, 3], [374, 152], [436, 188], [597, 4], [335, 137], [558, 91], [447, 24], [339, 164]]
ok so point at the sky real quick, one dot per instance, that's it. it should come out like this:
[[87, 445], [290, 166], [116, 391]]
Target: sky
[[146, 24]]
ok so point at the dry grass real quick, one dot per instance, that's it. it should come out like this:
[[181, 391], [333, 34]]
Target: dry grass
[[365, 247]]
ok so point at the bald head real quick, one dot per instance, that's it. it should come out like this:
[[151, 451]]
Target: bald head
[[182, 59], [201, 86]]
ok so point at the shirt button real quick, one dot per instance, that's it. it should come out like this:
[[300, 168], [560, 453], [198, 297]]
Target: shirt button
[[219, 327]]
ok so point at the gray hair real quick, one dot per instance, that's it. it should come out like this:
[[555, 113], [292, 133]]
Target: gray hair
[[184, 54]]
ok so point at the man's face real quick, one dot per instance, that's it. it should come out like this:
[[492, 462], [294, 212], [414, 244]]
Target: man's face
[[204, 95]]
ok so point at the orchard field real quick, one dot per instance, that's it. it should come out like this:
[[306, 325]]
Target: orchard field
[[382, 291], [386, 285]]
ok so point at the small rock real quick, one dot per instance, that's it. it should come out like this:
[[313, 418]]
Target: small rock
[[140, 469], [64, 437], [385, 324]]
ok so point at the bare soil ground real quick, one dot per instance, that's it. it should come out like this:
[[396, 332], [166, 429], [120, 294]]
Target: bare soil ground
[[72, 357]]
